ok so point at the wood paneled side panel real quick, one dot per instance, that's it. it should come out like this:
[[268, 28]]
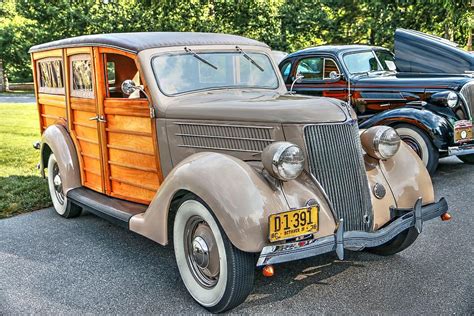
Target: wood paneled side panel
[[52, 108], [129, 192], [145, 162], [142, 179], [129, 123], [139, 143]]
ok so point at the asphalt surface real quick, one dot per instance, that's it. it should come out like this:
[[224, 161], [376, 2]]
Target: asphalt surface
[[51, 265]]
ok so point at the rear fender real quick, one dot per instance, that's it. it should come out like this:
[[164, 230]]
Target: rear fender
[[435, 126], [57, 140]]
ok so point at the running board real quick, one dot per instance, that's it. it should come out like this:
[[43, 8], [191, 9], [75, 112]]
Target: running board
[[112, 209]]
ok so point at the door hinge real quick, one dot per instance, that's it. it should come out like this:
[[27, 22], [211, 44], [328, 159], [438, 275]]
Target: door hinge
[[152, 112]]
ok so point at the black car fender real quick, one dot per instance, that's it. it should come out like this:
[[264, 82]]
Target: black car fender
[[435, 126]]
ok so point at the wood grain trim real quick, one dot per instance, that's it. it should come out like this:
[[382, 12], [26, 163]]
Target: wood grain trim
[[92, 171], [38, 107], [128, 132], [59, 106], [87, 140], [50, 116], [132, 150], [120, 164], [78, 50], [85, 125], [84, 108], [127, 112], [126, 103], [109, 50], [52, 99], [141, 186], [89, 102], [90, 156], [48, 53]]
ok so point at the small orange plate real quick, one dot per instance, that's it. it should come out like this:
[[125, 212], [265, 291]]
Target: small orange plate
[[462, 131], [293, 223]]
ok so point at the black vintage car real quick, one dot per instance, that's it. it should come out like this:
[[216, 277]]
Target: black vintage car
[[431, 112]]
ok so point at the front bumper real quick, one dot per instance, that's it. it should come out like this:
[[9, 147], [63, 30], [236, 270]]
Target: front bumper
[[353, 240], [465, 149]]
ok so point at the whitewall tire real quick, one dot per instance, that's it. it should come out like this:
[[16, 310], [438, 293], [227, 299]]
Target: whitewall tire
[[61, 203], [216, 274]]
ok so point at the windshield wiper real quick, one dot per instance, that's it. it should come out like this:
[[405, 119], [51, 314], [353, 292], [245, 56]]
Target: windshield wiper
[[249, 58], [189, 51]]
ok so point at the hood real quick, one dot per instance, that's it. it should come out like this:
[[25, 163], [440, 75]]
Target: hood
[[418, 81], [252, 106], [419, 52]]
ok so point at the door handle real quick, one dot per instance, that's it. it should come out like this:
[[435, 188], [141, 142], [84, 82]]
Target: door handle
[[98, 118]]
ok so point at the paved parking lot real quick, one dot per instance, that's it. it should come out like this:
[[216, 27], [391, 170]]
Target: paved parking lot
[[86, 265]]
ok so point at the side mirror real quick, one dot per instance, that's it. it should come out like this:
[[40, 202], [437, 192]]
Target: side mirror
[[334, 75], [128, 87], [298, 79]]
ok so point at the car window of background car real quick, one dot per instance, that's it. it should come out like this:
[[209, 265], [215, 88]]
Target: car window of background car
[[361, 62], [184, 73], [386, 59], [330, 66], [285, 70], [311, 68]]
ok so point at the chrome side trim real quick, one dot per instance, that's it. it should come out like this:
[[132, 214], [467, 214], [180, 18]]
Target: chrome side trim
[[461, 150], [352, 239]]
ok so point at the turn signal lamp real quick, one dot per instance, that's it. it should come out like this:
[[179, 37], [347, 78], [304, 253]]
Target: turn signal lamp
[[268, 271], [446, 217]]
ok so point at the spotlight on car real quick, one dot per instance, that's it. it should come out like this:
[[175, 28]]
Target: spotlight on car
[[283, 160], [380, 142]]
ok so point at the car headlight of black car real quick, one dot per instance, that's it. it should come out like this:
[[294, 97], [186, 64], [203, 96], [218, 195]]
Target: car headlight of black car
[[445, 98]]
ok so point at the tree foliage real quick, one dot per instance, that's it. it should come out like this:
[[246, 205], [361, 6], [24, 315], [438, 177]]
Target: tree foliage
[[283, 24]]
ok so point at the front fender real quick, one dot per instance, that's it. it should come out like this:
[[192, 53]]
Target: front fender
[[56, 139], [239, 196], [436, 126]]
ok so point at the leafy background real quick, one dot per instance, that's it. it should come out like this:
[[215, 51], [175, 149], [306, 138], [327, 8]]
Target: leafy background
[[286, 25]]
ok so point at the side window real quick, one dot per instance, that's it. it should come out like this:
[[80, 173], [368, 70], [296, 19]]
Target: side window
[[285, 70], [330, 66], [118, 69], [50, 76], [311, 68], [82, 82]]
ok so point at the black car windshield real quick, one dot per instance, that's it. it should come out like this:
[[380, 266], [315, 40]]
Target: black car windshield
[[369, 61], [192, 71]]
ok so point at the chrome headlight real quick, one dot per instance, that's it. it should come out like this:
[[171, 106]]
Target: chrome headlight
[[452, 99], [283, 160], [380, 142]]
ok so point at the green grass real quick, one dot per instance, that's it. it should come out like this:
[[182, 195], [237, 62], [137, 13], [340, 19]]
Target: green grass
[[21, 187]]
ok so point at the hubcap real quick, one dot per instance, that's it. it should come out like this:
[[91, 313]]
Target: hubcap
[[201, 252], [58, 184]]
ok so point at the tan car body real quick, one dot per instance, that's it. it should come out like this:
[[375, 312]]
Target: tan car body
[[235, 184]]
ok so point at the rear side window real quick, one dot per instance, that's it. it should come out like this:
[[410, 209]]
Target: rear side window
[[82, 84], [50, 76]]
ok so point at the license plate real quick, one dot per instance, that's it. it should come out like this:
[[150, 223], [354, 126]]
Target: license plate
[[462, 131], [294, 223]]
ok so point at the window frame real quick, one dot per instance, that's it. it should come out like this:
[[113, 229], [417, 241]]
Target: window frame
[[324, 58], [50, 90]]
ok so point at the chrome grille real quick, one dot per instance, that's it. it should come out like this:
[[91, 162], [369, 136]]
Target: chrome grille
[[225, 137], [468, 93], [335, 160]]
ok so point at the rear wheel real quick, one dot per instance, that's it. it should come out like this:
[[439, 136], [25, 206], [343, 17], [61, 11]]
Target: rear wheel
[[61, 204], [216, 274], [469, 159], [421, 144], [401, 242]]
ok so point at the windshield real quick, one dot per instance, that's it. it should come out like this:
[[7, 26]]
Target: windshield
[[369, 61], [194, 71]]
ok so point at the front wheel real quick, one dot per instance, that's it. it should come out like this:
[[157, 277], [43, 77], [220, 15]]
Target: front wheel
[[469, 159], [216, 274], [401, 242], [419, 141], [61, 204]]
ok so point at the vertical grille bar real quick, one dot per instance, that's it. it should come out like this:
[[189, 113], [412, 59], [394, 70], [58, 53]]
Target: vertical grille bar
[[335, 159], [468, 93]]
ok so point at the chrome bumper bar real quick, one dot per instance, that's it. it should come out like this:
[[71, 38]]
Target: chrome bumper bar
[[461, 150], [353, 240]]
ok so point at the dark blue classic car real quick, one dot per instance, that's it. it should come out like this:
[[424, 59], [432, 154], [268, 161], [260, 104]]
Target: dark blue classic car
[[431, 112]]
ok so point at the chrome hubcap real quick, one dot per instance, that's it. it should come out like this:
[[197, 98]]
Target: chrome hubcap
[[58, 184], [201, 252]]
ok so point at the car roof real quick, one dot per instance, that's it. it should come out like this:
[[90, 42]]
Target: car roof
[[138, 41], [334, 49]]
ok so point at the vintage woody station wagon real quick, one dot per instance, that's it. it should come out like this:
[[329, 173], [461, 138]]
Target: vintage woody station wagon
[[193, 137]]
